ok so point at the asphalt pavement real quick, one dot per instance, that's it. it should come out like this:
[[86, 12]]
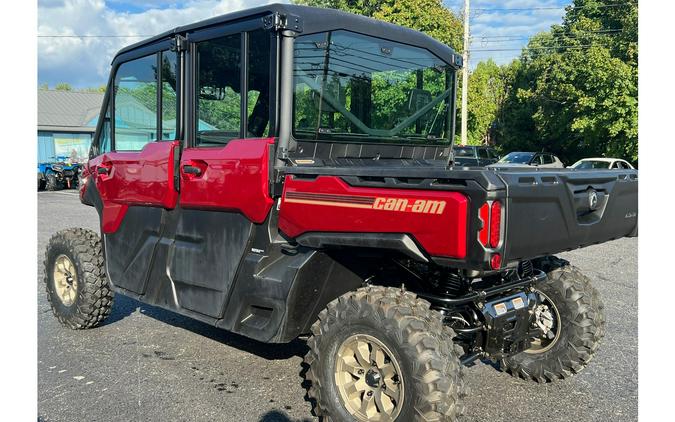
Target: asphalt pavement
[[147, 364]]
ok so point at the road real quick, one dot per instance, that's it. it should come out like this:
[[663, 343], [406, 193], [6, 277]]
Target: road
[[147, 364]]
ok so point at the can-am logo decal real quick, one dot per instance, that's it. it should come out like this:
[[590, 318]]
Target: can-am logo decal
[[420, 206], [424, 206]]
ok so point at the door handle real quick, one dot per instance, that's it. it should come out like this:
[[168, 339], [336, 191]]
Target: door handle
[[192, 170]]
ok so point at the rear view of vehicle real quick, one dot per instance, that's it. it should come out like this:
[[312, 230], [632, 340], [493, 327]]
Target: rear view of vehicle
[[298, 178]]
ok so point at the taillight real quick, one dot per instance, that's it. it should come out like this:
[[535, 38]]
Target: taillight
[[496, 261], [495, 223], [483, 233]]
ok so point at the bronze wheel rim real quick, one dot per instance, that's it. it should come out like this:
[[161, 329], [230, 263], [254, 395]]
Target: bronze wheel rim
[[65, 280], [547, 318], [369, 379]]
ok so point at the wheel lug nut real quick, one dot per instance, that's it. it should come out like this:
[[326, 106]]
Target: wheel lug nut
[[370, 393], [361, 371]]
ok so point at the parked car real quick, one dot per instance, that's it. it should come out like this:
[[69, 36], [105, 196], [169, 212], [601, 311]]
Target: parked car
[[286, 216], [60, 174], [474, 156], [525, 159], [602, 163]]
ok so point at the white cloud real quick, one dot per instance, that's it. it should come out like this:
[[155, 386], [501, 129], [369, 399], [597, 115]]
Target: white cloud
[[84, 62]]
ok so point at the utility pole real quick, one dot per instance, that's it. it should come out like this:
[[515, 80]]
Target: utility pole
[[465, 74]]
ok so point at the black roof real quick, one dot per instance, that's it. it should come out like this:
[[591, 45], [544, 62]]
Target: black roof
[[318, 20]]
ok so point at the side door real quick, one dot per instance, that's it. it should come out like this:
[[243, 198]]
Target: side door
[[134, 160], [225, 166]]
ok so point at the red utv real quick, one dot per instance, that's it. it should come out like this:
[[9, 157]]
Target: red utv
[[287, 170]]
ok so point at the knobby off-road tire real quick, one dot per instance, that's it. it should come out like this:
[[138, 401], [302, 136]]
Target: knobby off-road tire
[[420, 345], [51, 183], [582, 326], [77, 287]]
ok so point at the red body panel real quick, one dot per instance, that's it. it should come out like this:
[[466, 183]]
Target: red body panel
[[436, 219], [234, 177], [134, 178]]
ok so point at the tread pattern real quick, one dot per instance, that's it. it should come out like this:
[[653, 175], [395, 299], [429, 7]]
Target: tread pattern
[[51, 184], [438, 380], [587, 327], [95, 296]]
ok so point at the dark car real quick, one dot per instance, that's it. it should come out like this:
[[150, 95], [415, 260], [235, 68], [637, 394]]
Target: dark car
[[474, 156], [525, 159], [282, 199]]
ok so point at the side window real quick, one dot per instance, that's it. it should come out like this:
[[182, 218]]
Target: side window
[[546, 159], [482, 153], [104, 144], [217, 84], [136, 104], [258, 95], [169, 86]]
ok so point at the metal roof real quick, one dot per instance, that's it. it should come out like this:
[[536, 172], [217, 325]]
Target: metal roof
[[67, 111], [312, 20]]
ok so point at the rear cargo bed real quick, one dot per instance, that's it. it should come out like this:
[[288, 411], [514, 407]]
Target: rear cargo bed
[[563, 209]]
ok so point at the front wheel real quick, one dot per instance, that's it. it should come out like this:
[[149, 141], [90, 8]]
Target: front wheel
[[380, 354], [77, 287], [52, 183], [571, 320]]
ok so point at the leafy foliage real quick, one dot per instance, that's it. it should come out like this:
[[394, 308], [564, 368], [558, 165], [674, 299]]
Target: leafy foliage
[[428, 16], [574, 90]]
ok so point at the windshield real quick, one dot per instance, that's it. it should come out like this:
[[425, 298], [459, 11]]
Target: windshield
[[517, 157], [359, 88], [591, 165]]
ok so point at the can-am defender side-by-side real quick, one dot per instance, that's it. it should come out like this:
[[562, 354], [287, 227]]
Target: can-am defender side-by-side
[[286, 170]]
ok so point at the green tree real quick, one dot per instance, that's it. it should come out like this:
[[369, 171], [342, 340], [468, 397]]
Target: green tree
[[428, 16], [575, 92], [488, 87], [63, 86]]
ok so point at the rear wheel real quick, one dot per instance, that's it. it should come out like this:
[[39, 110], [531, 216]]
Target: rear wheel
[[380, 354], [75, 279], [571, 319]]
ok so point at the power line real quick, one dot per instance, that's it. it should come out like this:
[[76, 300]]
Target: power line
[[559, 47], [527, 9], [575, 35], [94, 36]]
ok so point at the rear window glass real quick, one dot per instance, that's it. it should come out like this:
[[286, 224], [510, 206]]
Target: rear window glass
[[463, 152]]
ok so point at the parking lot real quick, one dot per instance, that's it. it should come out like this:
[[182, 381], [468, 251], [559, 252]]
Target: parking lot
[[147, 364]]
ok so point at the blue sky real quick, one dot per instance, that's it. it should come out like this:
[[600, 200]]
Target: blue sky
[[63, 56]]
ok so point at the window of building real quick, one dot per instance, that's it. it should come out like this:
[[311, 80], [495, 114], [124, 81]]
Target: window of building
[[136, 104]]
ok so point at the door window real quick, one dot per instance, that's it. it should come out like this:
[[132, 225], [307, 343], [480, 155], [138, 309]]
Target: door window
[[104, 144], [218, 87], [258, 94], [482, 153], [136, 104], [169, 97], [547, 159]]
